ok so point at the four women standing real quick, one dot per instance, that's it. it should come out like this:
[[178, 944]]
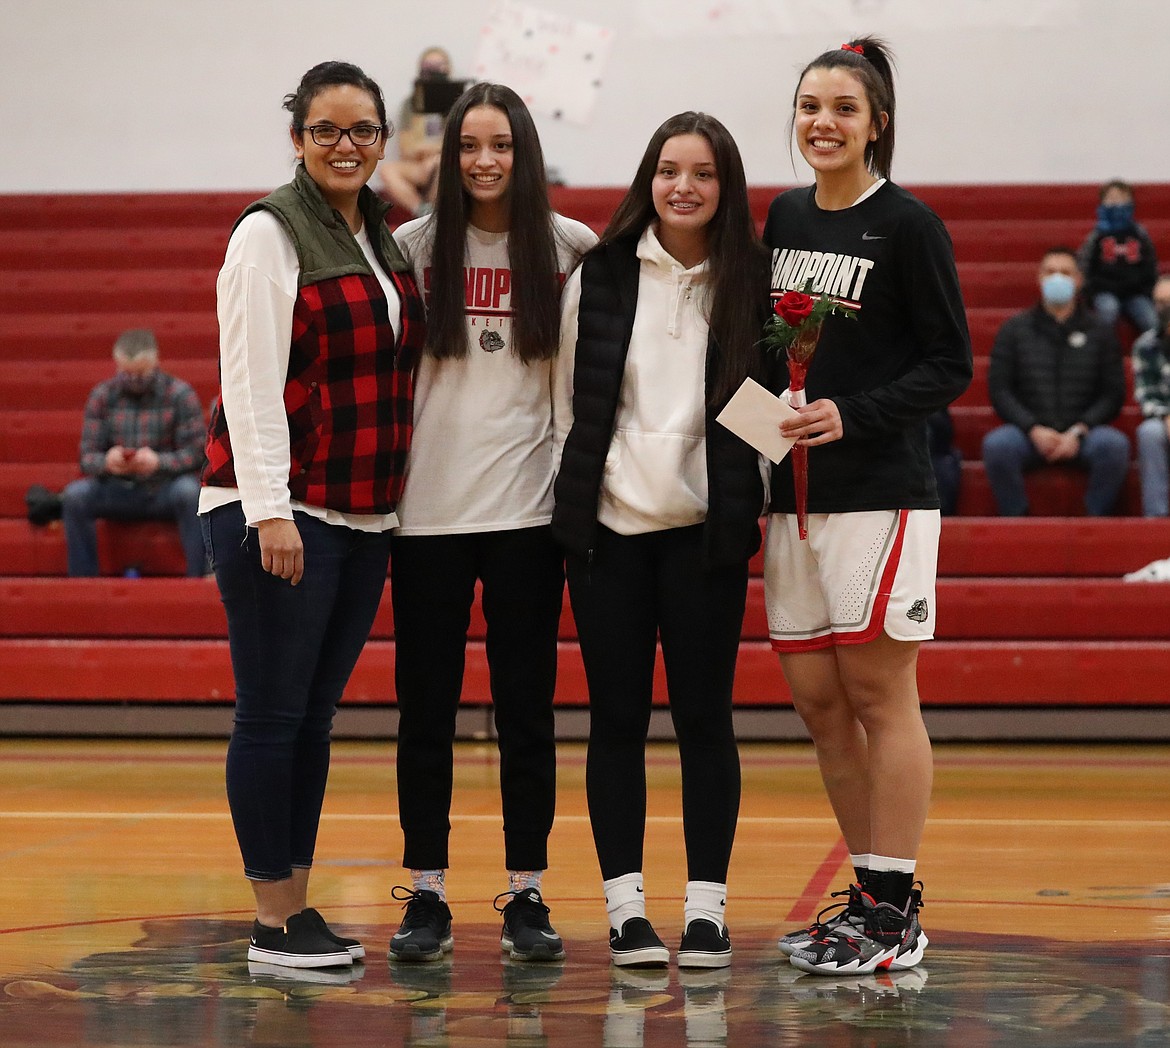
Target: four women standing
[[656, 505]]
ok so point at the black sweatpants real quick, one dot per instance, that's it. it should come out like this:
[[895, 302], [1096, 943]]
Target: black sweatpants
[[637, 588], [432, 585]]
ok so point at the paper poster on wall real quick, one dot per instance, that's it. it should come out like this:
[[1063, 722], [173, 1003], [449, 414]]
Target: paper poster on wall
[[755, 18], [555, 63]]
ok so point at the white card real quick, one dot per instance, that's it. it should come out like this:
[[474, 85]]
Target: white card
[[754, 415]]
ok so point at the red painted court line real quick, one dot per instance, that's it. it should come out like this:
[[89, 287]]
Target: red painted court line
[[806, 905]]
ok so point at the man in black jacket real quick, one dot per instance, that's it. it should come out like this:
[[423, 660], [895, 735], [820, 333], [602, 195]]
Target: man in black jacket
[[1056, 379]]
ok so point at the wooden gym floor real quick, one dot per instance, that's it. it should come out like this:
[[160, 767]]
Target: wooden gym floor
[[124, 913]]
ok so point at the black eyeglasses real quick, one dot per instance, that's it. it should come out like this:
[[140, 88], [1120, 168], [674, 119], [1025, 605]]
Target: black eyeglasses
[[330, 134]]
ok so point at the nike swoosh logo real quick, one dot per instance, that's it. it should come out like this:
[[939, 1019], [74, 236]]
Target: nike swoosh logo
[[868, 236], [550, 935]]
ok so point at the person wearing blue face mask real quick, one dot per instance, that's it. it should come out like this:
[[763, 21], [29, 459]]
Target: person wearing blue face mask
[[1056, 380], [1119, 262]]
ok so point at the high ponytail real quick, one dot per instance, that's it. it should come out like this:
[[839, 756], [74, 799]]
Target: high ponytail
[[870, 59]]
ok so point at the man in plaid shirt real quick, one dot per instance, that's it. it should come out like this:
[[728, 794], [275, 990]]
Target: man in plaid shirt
[[141, 451]]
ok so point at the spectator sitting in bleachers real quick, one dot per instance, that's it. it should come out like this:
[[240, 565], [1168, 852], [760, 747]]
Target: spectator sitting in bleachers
[[1151, 388], [141, 450], [1056, 379], [1118, 261], [412, 180]]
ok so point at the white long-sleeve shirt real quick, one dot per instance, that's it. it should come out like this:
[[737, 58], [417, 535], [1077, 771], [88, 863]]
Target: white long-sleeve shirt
[[256, 294]]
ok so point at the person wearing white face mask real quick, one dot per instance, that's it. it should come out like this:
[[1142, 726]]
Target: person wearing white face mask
[[1056, 380]]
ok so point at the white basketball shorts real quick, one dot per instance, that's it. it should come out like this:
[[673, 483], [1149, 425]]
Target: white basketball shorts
[[856, 575]]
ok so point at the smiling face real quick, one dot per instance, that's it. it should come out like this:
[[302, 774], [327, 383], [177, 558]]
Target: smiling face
[[340, 170], [485, 165], [834, 123], [685, 191]]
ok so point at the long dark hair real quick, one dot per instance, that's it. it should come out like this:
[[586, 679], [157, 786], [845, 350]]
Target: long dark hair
[[737, 262], [870, 59], [532, 252]]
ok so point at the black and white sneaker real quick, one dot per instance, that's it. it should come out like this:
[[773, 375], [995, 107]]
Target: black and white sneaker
[[425, 931], [527, 934], [704, 946], [637, 946], [356, 950], [890, 939], [297, 945], [845, 914]]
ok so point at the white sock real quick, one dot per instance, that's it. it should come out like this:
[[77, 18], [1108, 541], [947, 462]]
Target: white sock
[[706, 900], [624, 898], [888, 864], [860, 862]]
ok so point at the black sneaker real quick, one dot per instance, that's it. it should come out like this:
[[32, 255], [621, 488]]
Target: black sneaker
[[356, 950], [637, 946], [297, 945], [425, 931], [704, 946], [527, 934]]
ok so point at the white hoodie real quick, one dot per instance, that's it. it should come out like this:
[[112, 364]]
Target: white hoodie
[[656, 470]]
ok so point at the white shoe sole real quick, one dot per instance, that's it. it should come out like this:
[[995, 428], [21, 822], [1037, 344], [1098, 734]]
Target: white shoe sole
[[910, 960], [649, 957], [887, 960], [703, 959], [338, 976], [414, 955], [540, 952], [300, 960]]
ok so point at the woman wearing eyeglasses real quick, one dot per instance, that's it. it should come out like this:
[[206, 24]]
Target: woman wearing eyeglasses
[[320, 326]]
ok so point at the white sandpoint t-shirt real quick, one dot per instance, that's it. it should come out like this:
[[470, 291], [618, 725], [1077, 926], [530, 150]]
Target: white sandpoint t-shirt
[[481, 458]]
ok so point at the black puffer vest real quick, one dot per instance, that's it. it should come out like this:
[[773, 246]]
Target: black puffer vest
[[609, 299]]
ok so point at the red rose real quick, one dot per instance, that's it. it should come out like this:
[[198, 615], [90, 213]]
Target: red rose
[[794, 307]]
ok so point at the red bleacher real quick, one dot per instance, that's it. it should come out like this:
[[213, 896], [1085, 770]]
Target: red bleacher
[[1032, 613]]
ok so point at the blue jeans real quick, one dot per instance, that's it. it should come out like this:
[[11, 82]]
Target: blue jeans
[[293, 649], [86, 501], [1138, 308], [1008, 454], [1153, 445]]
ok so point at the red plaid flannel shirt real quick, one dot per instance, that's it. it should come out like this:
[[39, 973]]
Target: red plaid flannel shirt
[[348, 394]]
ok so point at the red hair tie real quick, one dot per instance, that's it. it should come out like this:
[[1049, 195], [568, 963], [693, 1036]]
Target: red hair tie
[[849, 47]]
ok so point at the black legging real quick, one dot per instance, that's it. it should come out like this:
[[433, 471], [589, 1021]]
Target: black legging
[[636, 588], [432, 584]]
